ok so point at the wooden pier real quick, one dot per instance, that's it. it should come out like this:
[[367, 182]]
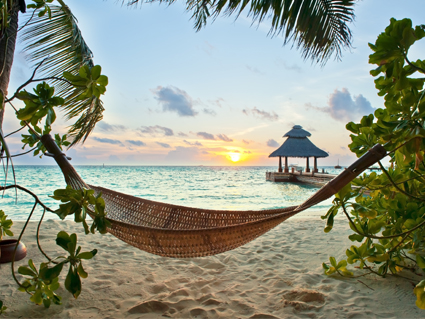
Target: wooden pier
[[317, 179]]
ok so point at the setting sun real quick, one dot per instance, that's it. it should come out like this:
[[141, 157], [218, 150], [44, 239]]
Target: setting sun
[[234, 157]]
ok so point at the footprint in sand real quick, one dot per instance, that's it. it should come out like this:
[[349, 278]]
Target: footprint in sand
[[303, 299], [152, 306]]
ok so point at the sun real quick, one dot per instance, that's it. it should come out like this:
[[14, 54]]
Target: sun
[[234, 157]]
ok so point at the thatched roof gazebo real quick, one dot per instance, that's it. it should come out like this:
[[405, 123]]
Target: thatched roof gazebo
[[297, 144]]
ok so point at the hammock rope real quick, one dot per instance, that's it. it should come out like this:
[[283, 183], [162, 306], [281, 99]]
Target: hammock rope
[[182, 232]]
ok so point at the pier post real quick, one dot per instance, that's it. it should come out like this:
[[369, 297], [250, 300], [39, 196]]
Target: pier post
[[280, 164], [315, 170], [307, 166], [286, 165]]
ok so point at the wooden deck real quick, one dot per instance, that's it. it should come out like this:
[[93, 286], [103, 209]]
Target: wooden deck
[[318, 179]]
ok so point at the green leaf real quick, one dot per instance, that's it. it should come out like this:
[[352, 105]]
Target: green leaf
[[329, 223], [24, 270], [49, 274], [46, 303], [81, 271], [333, 261], [420, 261], [356, 237], [346, 190], [37, 297], [95, 72], [87, 254], [63, 239], [73, 282], [419, 291]]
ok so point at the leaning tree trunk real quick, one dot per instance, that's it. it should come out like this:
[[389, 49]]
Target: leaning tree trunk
[[7, 50]]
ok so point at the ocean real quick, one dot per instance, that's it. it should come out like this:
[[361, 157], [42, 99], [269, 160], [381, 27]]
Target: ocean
[[219, 187]]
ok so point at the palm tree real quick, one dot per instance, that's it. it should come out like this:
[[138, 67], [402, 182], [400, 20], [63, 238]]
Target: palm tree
[[317, 27]]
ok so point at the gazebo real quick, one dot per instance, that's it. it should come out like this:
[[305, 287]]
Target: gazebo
[[297, 144]]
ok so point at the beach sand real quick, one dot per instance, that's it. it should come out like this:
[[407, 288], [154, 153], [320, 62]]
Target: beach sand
[[279, 275]]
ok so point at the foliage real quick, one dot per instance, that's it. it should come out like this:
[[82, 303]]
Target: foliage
[[387, 211], [79, 203], [5, 225], [44, 282], [50, 35], [74, 83], [319, 28]]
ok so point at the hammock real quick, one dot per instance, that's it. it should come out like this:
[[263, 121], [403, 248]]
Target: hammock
[[180, 232]]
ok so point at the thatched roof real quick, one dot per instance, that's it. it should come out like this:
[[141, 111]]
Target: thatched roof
[[298, 145], [297, 131]]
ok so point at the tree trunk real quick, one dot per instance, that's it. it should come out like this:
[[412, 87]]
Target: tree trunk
[[7, 50]]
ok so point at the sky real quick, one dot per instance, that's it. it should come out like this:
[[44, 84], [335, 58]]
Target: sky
[[225, 95]]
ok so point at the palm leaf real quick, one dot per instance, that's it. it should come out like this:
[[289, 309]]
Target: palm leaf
[[60, 39], [317, 27]]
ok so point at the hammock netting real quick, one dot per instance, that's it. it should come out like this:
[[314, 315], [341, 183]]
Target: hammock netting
[[181, 232]]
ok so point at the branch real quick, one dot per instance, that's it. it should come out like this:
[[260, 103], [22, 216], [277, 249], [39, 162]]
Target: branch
[[19, 239], [396, 186], [411, 64], [14, 132], [27, 82], [16, 155], [385, 186], [379, 237], [37, 202], [26, 23], [29, 192]]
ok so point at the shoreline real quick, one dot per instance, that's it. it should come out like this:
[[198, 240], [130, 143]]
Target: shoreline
[[277, 275]]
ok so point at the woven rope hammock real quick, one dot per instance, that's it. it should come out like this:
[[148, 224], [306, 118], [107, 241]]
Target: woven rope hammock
[[178, 231]]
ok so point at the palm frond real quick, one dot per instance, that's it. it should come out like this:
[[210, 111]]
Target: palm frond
[[317, 27], [60, 39]]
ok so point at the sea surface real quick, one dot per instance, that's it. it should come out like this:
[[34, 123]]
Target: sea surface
[[227, 188]]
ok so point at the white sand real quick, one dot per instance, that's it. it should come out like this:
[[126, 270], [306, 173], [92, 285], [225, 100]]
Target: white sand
[[278, 275]]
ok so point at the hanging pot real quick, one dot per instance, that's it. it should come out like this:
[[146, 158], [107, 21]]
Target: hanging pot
[[7, 247]]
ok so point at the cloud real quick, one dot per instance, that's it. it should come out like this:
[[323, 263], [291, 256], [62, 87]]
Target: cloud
[[192, 144], [103, 126], [246, 142], [218, 102], [254, 70], [136, 143], [272, 143], [292, 67], [209, 112], [206, 136], [224, 138], [247, 152], [154, 130], [342, 107], [173, 99], [183, 155], [108, 141], [164, 145], [264, 115]]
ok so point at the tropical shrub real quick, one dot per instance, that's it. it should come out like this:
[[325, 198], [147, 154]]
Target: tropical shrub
[[386, 211]]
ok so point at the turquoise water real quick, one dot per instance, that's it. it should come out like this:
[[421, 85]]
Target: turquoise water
[[227, 188]]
